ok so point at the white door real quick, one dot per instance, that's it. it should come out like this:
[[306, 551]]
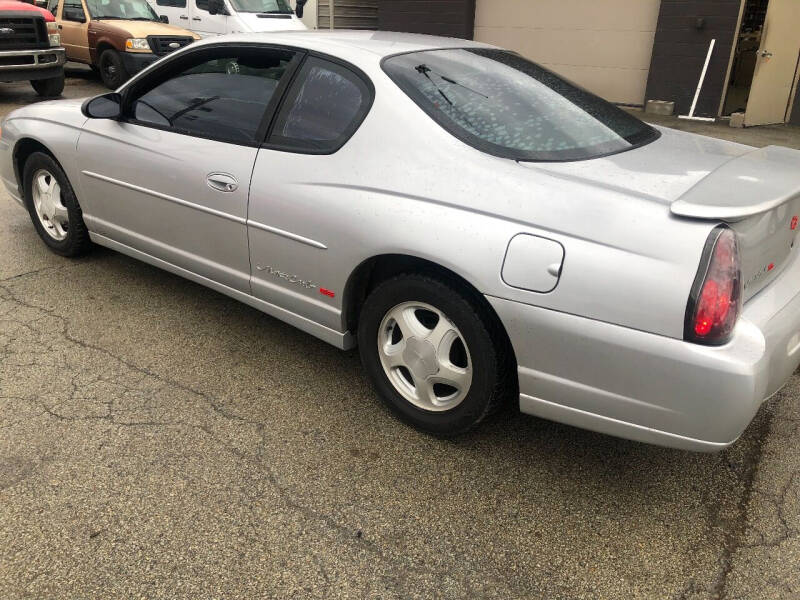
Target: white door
[[175, 10], [204, 23], [776, 64]]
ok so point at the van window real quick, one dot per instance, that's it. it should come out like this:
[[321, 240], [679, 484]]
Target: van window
[[270, 7], [172, 3]]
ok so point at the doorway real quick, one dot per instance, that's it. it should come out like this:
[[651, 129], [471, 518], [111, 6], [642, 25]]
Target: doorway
[[765, 63]]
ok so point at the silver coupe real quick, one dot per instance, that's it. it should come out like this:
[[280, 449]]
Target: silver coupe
[[482, 229]]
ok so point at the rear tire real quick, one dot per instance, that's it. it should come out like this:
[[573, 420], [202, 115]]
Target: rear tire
[[112, 69], [49, 88], [434, 353], [57, 216]]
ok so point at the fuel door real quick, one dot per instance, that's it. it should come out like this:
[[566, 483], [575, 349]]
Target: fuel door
[[533, 263]]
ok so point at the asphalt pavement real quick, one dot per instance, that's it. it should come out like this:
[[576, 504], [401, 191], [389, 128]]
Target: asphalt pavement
[[159, 440]]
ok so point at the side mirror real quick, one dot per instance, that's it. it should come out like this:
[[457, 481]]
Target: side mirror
[[300, 7], [74, 14], [107, 106], [217, 7], [163, 19]]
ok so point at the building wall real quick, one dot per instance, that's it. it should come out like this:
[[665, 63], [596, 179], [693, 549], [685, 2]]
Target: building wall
[[348, 14], [680, 48], [452, 18], [604, 46]]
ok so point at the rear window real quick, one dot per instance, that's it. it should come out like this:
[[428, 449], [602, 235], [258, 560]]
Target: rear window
[[505, 105]]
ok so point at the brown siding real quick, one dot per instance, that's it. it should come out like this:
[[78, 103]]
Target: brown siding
[[452, 18], [349, 14], [680, 49]]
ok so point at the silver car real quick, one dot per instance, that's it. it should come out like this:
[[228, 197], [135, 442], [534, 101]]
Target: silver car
[[481, 228]]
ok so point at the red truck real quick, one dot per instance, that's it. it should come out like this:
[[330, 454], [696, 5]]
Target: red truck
[[30, 47]]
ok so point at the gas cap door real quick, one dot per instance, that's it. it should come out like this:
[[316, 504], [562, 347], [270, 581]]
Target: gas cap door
[[533, 263]]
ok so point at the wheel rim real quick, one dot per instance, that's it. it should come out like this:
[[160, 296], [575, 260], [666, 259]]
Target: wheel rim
[[425, 356], [49, 206]]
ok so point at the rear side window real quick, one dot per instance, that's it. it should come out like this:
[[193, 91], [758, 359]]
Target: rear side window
[[503, 104], [324, 107], [223, 98], [173, 3]]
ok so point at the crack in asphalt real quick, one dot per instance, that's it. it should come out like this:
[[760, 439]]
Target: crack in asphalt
[[114, 416]]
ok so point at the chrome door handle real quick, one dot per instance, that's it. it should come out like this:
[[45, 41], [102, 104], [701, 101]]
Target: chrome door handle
[[222, 182]]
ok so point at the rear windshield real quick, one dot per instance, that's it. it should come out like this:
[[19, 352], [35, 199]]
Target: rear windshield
[[505, 105]]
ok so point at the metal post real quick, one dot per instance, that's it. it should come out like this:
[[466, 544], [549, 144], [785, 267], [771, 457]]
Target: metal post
[[700, 87], [331, 11]]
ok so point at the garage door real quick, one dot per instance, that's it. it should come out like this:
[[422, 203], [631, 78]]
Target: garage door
[[604, 46], [348, 14]]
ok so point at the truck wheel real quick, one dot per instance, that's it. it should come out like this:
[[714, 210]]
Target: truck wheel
[[112, 70], [49, 87]]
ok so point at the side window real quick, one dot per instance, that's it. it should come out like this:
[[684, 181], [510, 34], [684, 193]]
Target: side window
[[52, 6], [73, 10], [224, 97], [324, 107], [172, 3], [201, 4]]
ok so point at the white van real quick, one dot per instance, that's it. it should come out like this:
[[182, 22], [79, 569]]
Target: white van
[[216, 17]]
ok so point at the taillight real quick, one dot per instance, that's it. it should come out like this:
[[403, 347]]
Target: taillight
[[715, 301]]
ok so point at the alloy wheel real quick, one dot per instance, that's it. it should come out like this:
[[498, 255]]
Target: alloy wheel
[[49, 207], [424, 356]]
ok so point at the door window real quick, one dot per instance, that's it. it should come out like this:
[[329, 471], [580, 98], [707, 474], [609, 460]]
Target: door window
[[52, 6], [73, 11], [201, 4], [224, 97], [172, 3], [324, 107]]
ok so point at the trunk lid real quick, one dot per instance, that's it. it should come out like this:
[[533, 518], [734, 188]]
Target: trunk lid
[[758, 195]]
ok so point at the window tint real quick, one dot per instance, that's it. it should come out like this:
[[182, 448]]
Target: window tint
[[223, 98], [324, 107], [201, 4], [73, 6], [506, 105], [173, 3]]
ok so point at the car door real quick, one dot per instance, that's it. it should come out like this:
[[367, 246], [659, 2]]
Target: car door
[[295, 230], [171, 178], [176, 11], [203, 22], [73, 25]]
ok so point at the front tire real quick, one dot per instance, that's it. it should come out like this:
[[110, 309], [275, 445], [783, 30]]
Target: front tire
[[49, 88], [112, 69], [53, 207], [434, 353]]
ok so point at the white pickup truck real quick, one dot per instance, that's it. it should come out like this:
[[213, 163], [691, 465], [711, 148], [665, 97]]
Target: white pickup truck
[[217, 17]]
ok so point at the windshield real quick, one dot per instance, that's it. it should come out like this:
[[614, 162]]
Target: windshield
[[138, 10], [275, 7], [505, 105]]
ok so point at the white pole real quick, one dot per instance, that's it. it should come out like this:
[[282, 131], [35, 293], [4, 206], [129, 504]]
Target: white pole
[[699, 87]]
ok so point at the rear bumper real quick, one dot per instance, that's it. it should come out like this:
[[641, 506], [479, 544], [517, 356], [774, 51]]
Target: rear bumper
[[28, 65], [652, 388]]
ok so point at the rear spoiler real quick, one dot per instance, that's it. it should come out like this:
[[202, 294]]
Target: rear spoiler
[[747, 185]]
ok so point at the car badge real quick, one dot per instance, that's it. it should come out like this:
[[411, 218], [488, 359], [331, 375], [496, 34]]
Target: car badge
[[174, 45], [6, 31]]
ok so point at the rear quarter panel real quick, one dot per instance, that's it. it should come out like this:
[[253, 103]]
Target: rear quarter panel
[[417, 190]]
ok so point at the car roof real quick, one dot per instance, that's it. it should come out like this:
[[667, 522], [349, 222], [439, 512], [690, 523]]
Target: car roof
[[346, 43]]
